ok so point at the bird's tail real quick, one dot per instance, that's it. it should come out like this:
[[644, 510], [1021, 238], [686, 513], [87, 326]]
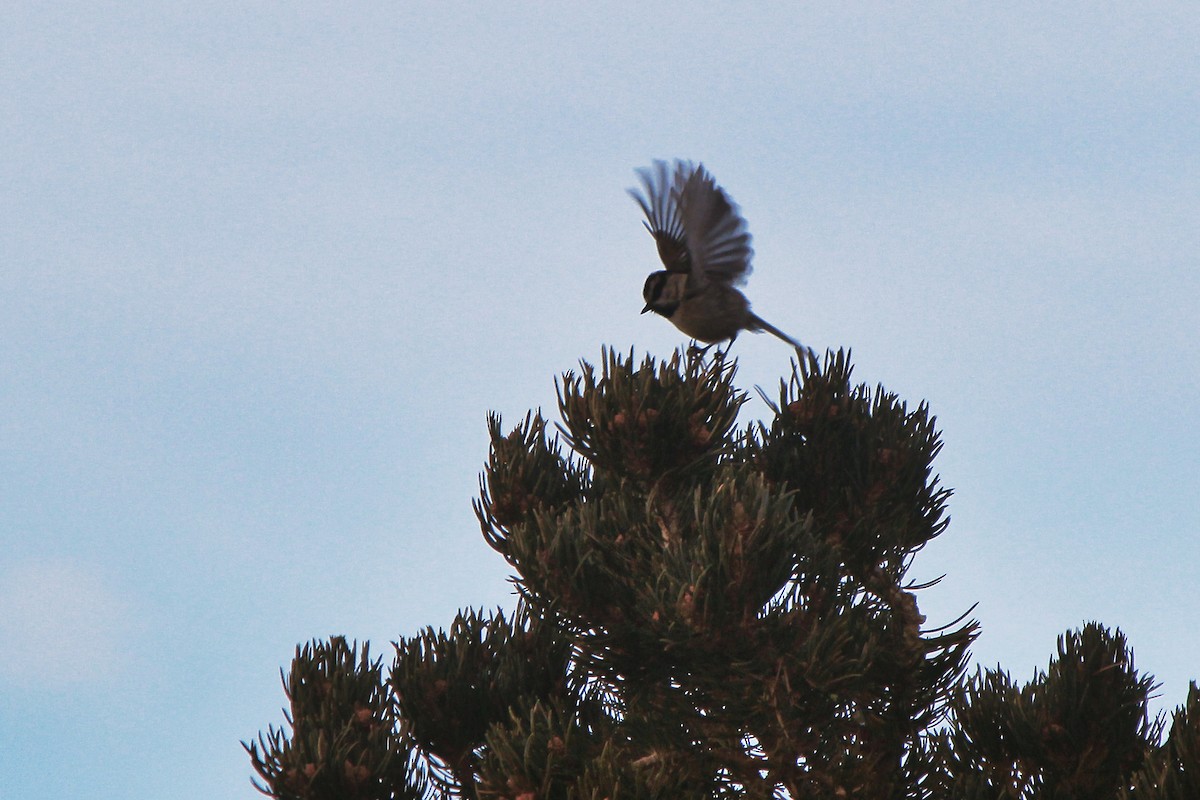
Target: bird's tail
[[762, 325]]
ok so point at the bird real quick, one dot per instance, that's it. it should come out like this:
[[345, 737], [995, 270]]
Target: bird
[[703, 243]]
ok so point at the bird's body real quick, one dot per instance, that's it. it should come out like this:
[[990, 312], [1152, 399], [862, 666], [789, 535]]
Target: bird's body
[[703, 243]]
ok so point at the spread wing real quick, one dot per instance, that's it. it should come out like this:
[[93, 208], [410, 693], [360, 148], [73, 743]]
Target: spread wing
[[660, 202], [715, 235]]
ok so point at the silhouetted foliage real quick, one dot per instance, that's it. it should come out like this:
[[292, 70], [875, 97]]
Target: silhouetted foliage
[[711, 611]]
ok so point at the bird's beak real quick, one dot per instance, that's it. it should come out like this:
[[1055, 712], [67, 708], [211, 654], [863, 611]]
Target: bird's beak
[[647, 308]]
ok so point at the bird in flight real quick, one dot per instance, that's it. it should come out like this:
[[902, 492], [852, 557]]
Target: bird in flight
[[705, 247]]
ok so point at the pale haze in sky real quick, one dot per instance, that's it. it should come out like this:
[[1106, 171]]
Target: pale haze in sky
[[265, 268]]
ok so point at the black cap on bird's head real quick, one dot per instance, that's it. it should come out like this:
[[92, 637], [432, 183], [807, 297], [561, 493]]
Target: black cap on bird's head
[[652, 293]]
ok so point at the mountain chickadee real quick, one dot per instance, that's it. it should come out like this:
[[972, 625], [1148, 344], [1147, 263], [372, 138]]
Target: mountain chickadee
[[703, 243]]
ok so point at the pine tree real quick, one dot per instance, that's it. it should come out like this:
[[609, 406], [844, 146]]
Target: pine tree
[[706, 610]]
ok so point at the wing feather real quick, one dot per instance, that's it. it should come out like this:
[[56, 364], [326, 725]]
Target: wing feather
[[715, 232], [659, 201], [697, 228]]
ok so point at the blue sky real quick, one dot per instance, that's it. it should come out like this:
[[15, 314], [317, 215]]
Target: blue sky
[[264, 269]]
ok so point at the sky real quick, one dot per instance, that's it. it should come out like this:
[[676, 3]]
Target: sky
[[265, 268]]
